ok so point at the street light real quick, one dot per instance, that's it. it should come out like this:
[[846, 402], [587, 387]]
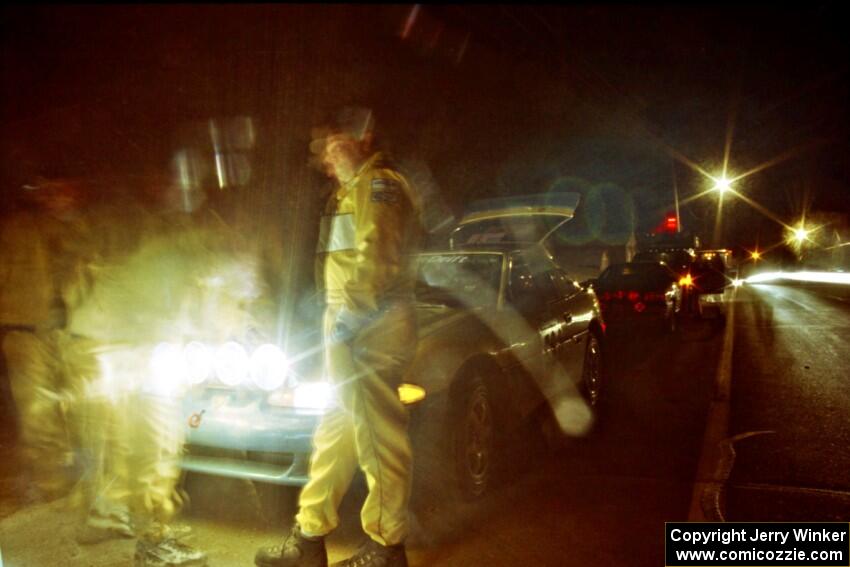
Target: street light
[[801, 234], [721, 184], [755, 255]]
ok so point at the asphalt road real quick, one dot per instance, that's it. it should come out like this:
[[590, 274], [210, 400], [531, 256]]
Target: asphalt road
[[595, 501], [791, 378]]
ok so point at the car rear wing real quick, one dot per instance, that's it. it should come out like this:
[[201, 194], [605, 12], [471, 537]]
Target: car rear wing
[[534, 217], [551, 204]]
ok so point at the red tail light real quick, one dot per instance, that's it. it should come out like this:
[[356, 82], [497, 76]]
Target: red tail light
[[605, 296], [634, 296], [639, 307], [619, 294]]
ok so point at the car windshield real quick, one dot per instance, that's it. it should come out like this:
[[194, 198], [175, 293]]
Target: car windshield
[[646, 273], [678, 260], [459, 279]]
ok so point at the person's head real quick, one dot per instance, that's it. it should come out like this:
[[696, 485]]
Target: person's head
[[343, 145]]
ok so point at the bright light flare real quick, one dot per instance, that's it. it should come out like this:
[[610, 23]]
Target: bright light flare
[[755, 255], [686, 281], [721, 185], [269, 367], [737, 282], [313, 395], [199, 362], [168, 368], [231, 363], [801, 234], [814, 277]]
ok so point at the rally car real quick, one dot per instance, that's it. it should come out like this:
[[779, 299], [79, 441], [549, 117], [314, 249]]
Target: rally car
[[503, 330]]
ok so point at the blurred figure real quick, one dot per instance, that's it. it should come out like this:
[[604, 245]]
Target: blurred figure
[[189, 279], [44, 248], [370, 228]]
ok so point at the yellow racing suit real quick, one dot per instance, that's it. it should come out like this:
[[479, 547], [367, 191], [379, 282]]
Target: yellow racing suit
[[370, 230], [40, 272]]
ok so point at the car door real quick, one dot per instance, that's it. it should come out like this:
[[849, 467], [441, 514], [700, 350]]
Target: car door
[[574, 306], [533, 332]]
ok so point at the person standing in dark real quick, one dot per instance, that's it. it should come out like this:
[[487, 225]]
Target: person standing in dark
[[369, 233]]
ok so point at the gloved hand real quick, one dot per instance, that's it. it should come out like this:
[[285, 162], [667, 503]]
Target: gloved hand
[[347, 325]]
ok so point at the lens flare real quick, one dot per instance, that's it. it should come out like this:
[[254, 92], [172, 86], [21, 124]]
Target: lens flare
[[168, 368], [231, 363], [722, 185], [268, 367], [199, 362], [313, 395]]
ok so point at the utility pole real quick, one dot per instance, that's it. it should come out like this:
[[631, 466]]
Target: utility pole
[[676, 195]]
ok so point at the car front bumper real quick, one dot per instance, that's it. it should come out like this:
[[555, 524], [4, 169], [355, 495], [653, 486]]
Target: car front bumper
[[237, 434]]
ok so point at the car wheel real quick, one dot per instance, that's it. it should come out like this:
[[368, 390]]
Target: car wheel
[[475, 429], [592, 371], [456, 438]]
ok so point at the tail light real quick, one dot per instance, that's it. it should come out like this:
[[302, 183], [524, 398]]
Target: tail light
[[639, 307], [605, 296], [634, 296]]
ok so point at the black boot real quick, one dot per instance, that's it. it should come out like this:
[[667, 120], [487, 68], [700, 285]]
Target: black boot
[[295, 551], [373, 554]]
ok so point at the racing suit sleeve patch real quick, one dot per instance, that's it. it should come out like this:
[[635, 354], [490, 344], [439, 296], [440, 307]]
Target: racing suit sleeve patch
[[385, 191]]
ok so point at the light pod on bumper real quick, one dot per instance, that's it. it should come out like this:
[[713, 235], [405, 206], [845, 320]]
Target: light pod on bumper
[[231, 363], [168, 368], [199, 362], [268, 367]]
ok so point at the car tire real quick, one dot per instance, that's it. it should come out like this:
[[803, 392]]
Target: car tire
[[445, 497], [474, 433]]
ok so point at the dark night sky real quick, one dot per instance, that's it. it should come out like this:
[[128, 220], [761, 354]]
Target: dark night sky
[[496, 99]]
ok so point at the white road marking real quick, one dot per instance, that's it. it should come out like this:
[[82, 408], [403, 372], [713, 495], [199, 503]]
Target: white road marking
[[714, 458]]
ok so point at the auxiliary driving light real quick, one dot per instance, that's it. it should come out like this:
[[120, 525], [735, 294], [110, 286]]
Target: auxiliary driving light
[[231, 363], [268, 367], [199, 362], [168, 368]]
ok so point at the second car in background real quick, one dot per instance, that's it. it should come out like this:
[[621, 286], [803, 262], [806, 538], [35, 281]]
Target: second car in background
[[639, 293]]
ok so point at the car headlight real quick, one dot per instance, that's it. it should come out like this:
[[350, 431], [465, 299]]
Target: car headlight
[[168, 368], [231, 363], [268, 367]]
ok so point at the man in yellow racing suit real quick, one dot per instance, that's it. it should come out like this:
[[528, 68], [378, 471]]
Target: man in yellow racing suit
[[369, 230]]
